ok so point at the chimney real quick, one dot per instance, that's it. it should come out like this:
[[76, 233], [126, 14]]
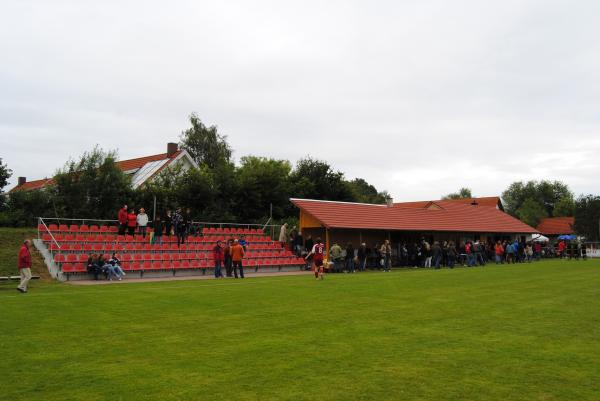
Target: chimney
[[22, 180], [390, 202], [172, 148]]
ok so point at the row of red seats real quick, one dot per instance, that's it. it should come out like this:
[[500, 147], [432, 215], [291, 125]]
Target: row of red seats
[[128, 238], [114, 228], [185, 264], [141, 247], [127, 257]]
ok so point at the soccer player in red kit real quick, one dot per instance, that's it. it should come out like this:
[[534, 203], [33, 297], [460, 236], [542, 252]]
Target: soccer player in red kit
[[318, 252]]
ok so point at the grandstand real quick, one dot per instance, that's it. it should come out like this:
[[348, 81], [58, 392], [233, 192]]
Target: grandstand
[[67, 248]]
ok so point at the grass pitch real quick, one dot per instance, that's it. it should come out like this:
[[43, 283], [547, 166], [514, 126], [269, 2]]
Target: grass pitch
[[519, 332]]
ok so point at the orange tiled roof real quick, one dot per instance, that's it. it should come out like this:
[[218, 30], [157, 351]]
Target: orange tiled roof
[[556, 225], [124, 165], [492, 201], [450, 216]]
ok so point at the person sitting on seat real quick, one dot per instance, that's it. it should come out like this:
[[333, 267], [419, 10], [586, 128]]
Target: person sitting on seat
[[116, 264], [94, 266]]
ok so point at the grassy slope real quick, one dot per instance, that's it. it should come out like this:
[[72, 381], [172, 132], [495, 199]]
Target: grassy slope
[[525, 332], [11, 240]]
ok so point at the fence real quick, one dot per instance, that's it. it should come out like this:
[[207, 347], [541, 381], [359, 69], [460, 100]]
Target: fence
[[592, 249]]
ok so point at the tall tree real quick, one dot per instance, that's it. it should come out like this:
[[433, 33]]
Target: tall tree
[[531, 212], [462, 193], [587, 217], [205, 144], [315, 179], [565, 207], [545, 193], [5, 174], [262, 182], [91, 187], [367, 193]]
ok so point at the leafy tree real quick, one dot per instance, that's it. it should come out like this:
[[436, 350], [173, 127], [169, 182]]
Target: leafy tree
[[5, 174], [545, 193], [565, 207], [531, 212], [205, 144], [260, 183], [92, 187], [23, 207], [462, 193], [315, 179], [587, 217], [366, 193]]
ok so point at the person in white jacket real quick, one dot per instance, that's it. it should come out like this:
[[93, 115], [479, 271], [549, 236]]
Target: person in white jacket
[[142, 222], [283, 234]]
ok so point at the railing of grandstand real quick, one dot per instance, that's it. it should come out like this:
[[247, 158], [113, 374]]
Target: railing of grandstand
[[43, 223], [272, 227]]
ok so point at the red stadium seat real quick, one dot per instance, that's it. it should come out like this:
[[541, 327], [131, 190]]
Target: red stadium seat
[[67, 267], [127, 257], [53, 227], [147, 256], [176, 264], [59, 258], [74, 228], [63, 227], [175, 256], [147, 265], [82, 258], [71, 258], [84, 228], [103, 229], [137, 257], [94, 229], [129, 247], [185, 264], [77, 247], [134, 266]]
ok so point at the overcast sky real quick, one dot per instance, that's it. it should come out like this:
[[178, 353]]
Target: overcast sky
[[417, 97]]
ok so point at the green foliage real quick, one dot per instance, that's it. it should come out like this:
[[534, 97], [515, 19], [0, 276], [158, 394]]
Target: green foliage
[[364, 192], [5, 174], [531, 212], [565, 207], [315, 179], [205, 145], [24, 207], [462, 193], [91, 187], [587, 217], [546, 194], [262, 182]]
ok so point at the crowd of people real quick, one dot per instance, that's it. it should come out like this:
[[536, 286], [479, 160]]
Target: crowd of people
[[177, 223]]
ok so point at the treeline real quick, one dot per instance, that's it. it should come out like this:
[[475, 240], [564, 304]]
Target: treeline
[[93, 187]]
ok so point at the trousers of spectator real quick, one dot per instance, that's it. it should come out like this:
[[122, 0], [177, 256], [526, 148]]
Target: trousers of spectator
[[337, 266], [436, 261], [142, 230], [180, 236], [157, 239], [237, 264], [387, 263], [471, 260], [350, 265], [480, 258], [228, 270], [25, 277], [122, 228], [427, 262], [451, 261], [499, 259], [362, 264], [218, 269], [131, 230]]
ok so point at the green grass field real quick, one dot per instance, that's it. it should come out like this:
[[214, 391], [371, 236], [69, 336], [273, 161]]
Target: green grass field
[[519, 332]]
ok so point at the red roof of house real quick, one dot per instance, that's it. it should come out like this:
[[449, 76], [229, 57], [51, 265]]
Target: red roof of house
[[493, 201], [445, 216], [556, 225], [124, 165]]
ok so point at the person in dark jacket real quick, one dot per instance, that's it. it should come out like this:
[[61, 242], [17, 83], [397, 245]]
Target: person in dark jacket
[[451, 254], [350, 258], [362, 257], [168, 223], [436, 254], [158, 231], [178, 226], [299, 244], [227, 258]]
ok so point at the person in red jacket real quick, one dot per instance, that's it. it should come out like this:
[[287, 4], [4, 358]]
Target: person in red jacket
[[122, 220], [24, 265], [131, 222], [218, 256]]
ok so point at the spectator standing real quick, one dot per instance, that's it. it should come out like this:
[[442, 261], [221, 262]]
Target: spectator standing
[[470, 254], [362, 257], [335, 254], [187, 221], [386, 255], [350, 258], [227, 258], [283, 234], [427, 254], [510, 253], [237, 254], [122, 217], [451, 254], [499, 252], [158, 231], [299, 244], [218, 256], [309, 243], [24, 266], [436, 254], [242, 241], [142, 222], [178, 226], [168, 223], [131, 222]]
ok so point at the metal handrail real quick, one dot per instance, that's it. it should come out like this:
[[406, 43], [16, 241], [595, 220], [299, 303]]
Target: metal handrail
[[41, 221]]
